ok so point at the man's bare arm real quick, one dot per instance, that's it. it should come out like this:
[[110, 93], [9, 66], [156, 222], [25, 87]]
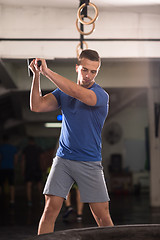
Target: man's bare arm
[[72, 89], [39, 103], [85, 95]]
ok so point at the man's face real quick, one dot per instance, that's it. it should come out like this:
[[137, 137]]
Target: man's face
[[87, 71]]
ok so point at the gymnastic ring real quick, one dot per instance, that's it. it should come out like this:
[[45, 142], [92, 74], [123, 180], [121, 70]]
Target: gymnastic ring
[[80, 16], [81, 32], [77, 49]]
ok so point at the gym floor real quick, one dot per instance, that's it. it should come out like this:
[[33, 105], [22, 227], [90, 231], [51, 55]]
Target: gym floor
[[20, 221]]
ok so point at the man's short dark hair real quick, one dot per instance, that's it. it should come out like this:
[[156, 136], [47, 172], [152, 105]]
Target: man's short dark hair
[[89, 54]]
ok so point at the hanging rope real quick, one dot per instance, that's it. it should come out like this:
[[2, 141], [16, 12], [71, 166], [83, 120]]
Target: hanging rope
[[81, 14]]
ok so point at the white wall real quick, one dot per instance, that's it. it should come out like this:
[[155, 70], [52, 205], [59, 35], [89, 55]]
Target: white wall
[[49, 22]]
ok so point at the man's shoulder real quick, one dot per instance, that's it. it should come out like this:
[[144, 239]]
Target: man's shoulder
[[58, 93], [99, 88]]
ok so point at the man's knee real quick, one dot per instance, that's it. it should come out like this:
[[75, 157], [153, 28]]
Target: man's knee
[[53, 206]]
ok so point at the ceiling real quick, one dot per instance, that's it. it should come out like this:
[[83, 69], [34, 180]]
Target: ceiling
[[74, 3], [137, 5]]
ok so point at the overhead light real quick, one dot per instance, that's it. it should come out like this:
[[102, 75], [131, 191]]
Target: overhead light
[[53, 125]]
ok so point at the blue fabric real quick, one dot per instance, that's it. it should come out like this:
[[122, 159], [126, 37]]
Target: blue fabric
[[80, 137], [7, 153]]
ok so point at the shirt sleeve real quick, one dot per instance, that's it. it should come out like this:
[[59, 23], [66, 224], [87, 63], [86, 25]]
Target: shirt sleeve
[[102, 96], [57, 93]]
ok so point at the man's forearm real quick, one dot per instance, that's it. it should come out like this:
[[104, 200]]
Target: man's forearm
[[35, 94], [71, 88], [64, 84]]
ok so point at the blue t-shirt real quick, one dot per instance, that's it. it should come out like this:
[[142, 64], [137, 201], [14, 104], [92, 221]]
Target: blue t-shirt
[[7, 154], [80, 137]]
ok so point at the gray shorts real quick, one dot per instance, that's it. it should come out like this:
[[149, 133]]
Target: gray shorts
[[88, 176]]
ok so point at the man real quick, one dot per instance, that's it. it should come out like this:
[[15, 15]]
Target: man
[[84, 108], [8, 161], [68, 204], [31, 168]]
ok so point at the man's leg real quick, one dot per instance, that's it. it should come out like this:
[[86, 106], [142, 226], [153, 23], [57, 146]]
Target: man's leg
[[68, 200], [79, 203], [101, 213], [12, 194], [39, 186], [11, 186], [69, 208], [52, 208], [29, 191]]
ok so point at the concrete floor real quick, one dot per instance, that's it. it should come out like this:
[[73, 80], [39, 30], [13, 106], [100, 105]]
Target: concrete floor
[[21, 221]]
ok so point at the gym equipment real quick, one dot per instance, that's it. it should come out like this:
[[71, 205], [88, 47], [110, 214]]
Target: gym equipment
[[80, 18], [30, 74], [121, 232], [81, 32], [78, 49], [81, 14]]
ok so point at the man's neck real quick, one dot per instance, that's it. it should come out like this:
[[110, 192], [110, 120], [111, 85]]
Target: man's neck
[[89, 86]]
